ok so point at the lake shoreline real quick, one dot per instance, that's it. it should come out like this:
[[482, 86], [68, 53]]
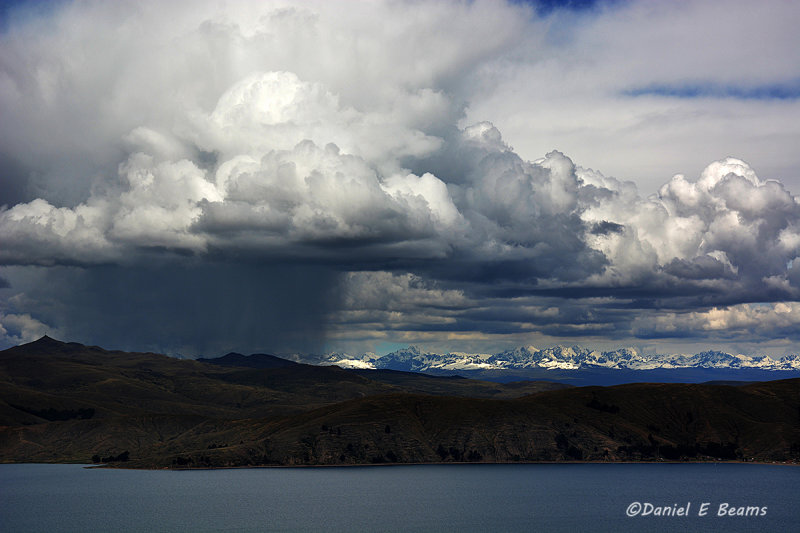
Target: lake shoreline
[[440, 463]]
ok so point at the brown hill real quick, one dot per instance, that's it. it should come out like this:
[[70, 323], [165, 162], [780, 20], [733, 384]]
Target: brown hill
[[68, 402]]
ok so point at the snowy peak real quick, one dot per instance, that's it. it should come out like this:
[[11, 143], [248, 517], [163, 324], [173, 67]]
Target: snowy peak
[[414, 359]]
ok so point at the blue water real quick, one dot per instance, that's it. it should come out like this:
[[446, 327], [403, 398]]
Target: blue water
[[462, 498]]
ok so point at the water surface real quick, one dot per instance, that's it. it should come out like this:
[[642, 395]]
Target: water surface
[[462, 498]]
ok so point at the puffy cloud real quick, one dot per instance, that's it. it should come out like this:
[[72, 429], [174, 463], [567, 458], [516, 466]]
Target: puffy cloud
[[726, 225], [155, 208], [18, 329], [757, 322], [39, 233], [520, 218], [313, 195], [276, 110]]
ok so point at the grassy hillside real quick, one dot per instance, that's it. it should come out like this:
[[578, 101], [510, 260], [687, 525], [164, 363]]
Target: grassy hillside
[[68, 402]]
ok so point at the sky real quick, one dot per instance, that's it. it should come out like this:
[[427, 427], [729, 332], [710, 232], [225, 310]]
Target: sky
[[198, 177]]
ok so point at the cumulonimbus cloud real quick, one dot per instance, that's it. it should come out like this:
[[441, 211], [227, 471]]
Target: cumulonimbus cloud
[[250, 148]]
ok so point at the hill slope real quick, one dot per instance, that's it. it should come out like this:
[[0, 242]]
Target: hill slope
[[68, 402]]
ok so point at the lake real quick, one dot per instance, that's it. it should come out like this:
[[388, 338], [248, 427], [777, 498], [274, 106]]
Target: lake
[[462, 498]]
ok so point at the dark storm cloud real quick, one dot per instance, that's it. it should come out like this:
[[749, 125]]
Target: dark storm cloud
[[605, 227], [189, 307], [704, 267]]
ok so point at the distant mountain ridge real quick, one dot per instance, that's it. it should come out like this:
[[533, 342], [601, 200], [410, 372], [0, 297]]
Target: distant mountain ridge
[[256, 360], [558, 358]]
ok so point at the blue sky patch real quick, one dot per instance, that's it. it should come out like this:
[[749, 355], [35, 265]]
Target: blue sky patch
[[545, 7], [777, 91]]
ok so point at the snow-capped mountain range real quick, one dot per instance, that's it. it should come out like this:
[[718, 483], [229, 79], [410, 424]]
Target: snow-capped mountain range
[[556, 358]]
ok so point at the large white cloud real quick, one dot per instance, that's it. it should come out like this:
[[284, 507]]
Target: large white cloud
[[727, 228]]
